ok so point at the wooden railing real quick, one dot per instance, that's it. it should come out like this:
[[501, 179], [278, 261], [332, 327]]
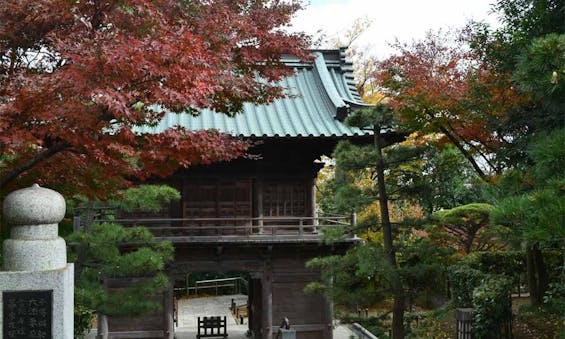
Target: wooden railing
[[247, 227], [236, 285]]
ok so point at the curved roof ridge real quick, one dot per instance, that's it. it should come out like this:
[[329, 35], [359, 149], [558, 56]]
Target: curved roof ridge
[[321, 69], [346, 79]]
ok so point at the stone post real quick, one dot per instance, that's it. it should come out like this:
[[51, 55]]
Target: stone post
[[36, 283]]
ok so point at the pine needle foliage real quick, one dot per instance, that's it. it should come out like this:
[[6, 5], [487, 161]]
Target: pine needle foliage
[[147, 198], [112, 251]]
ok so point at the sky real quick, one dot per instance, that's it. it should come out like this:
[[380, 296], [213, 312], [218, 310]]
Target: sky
[[405, 20]]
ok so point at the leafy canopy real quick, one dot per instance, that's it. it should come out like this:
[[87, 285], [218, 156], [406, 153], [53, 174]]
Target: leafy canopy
[[430, 86], [467, 228], [77, 77], [537, 209]]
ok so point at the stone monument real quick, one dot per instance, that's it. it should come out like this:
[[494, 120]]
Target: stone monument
[[36, 282]]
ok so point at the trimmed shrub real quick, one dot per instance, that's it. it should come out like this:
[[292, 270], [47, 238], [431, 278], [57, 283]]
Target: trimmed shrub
[[488, 295], [509, 263], [492, 309], [463, 280]]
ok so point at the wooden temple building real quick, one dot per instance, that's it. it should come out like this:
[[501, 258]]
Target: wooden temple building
[[259, 216]]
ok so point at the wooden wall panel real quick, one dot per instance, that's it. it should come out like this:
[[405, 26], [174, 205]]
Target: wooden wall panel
[[289, 300], [152, 322], [215, 198]]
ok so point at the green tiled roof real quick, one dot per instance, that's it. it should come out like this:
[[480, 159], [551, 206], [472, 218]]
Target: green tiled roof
[[320, 93]]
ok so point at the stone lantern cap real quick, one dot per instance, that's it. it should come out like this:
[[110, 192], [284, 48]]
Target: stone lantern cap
[[34, 205], [33, 214]]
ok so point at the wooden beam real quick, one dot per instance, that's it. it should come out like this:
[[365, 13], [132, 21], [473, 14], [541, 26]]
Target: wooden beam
[[136, 334], [178, 270]]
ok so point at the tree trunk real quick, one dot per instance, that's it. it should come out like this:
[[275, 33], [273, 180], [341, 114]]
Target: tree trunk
[[30, 163], [396, 284], [531, 276], [398, 312], [536, 273], [541, 273], [464, 152]]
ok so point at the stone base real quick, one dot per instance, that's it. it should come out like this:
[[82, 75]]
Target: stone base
[[287, 334], [59, 281]]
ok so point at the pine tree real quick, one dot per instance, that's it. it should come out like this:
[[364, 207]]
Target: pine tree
[[106, 250]]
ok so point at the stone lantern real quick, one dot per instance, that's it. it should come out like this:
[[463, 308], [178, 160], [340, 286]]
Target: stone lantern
[[36, 282]]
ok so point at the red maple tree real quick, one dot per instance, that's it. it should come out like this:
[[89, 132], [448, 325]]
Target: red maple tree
[[440, 85], [76, 77]]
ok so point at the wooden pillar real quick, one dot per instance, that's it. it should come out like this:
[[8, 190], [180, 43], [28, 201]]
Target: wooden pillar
[[259, 204], [267, 301], [313, 203], [168, 311], [250, 303], [255, 319]]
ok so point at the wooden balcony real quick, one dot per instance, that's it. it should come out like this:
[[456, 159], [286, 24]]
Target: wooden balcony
[[239, 230]]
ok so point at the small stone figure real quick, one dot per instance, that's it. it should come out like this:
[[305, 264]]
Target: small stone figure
[[284, 330], [285, 324]]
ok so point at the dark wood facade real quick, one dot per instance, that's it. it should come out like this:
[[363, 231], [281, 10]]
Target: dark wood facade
[[279, 183], [256, 216]]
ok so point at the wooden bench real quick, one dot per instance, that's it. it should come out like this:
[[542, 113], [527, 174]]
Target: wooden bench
[[212, 327]]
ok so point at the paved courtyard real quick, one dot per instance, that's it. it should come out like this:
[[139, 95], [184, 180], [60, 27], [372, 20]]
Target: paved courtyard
[[190, 309]]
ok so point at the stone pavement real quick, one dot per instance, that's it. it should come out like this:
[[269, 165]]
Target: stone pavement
[[190, 309]]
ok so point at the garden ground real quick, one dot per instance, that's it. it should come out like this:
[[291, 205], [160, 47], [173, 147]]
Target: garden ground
[[528, 322]]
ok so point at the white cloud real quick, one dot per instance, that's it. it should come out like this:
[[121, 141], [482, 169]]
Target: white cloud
[[402, 19]]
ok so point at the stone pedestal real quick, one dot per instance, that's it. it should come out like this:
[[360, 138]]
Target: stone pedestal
[[36, 283], [286, 334]]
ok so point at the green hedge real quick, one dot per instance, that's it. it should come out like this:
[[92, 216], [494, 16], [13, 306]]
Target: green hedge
[[492, 308], [488, 295], [509, 263], [463, 281]]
